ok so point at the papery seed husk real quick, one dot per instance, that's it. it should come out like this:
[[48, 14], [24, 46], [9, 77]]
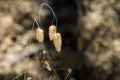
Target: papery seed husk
[[69, 70], [29, 78], [52, 31], [40, 35], [57, 40], [47, 65]]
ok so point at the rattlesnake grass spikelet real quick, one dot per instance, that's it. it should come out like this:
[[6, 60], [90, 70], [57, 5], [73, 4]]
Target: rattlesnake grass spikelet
[[29, 78], [40, 35], [47, 65], [57, 40], [52, 31]]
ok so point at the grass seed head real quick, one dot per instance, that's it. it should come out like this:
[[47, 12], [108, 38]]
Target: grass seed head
[[69, 70], [47, 65], [40, 35], [57, 40], [29, 78], [52, 31]]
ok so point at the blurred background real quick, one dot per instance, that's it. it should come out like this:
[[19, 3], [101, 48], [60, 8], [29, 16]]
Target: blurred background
[[90, 31]]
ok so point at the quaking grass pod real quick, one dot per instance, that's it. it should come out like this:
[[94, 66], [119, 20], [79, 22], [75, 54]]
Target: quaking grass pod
[[40, 35], [29, 78], [57, 40], [52, 31], [47, 65]]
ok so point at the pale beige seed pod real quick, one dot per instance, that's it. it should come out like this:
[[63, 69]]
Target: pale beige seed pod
[[40, 35], [57, 40], [69, 70], [52, 31], [47, 65], [29, 78]]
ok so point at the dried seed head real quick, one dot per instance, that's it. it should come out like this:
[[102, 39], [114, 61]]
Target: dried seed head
[[44, 52], [52, 31], [69, 70], [29, 78], [57, 40], [47, 65], [40, 35]]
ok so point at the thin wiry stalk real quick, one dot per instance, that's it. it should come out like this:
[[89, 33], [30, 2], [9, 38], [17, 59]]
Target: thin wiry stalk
[[17, 77], [45, 4], [37, 23]]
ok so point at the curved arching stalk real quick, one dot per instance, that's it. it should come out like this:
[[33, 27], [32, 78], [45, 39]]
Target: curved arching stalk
[[54, 16]]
